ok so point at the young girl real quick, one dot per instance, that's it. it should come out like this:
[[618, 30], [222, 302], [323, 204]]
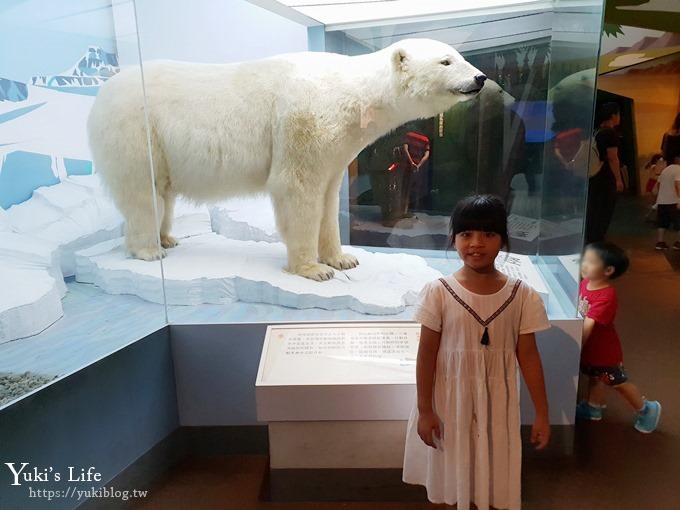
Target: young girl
[[463, 439]]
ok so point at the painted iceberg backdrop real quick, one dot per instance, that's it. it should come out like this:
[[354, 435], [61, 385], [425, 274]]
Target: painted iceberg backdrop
[[85, 77], [11, 90], [43, 135]]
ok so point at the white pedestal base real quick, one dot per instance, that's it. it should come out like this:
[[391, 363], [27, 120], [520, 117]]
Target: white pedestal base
[[337, 444]]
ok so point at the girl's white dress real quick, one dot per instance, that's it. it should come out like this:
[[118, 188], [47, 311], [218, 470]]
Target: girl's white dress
[[476, 397]]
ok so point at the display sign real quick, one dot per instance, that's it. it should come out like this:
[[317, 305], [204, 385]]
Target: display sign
[[347, 353]]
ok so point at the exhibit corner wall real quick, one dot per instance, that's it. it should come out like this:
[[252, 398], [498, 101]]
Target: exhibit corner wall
[[105, 416]]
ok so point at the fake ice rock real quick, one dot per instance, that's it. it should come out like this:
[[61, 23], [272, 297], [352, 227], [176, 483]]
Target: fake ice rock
[[32, 284], [212, 269]]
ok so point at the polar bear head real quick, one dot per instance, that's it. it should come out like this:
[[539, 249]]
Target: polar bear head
[[431, 77]]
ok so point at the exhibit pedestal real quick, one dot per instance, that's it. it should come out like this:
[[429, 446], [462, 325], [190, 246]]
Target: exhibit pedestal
[[365, 444]]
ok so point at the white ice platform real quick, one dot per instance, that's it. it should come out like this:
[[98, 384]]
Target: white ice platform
[[31, 286], [72, 215], [211, 269]]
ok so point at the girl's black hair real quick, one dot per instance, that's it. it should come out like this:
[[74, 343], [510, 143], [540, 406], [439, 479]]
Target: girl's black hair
[[485, 213], [611, 255]]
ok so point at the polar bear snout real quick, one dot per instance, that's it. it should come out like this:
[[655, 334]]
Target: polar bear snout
[[475, 85]]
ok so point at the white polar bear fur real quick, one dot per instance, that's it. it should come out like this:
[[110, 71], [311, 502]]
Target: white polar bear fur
[[288, 125]]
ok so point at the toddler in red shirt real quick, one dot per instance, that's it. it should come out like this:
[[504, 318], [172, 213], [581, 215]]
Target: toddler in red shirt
[[601, 354]]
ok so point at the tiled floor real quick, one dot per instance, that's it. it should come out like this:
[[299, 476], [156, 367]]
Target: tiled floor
[[613, 466]]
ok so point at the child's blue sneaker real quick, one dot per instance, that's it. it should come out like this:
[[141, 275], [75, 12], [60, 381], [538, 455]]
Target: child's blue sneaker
[[647, 421], [586, 412]]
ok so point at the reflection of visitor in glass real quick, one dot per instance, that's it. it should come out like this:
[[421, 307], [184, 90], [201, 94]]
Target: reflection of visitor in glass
[[568, 145], [417, 152], [603, 187], [417, 149], [477, 325], [601, 355], [670, 144]]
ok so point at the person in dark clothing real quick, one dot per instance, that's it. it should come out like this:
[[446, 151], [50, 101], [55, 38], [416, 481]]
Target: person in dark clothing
[[604, 186], [670, 144]]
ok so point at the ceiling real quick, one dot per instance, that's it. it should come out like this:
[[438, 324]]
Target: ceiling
[[345, 14]]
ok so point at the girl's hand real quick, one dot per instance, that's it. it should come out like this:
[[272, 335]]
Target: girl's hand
[[428, 428], [540, 432]]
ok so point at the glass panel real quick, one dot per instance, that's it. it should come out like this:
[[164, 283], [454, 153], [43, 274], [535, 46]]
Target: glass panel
[[59, 229], [573, 69], [213, 273], [506, 141]]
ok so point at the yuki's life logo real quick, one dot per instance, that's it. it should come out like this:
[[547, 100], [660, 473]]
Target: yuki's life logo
[[25, 473]]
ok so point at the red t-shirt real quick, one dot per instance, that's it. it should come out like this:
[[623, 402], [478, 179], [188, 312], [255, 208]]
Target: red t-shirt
[[603, 348]]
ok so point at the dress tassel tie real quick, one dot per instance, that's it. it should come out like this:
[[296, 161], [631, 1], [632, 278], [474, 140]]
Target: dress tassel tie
[[485, 336]]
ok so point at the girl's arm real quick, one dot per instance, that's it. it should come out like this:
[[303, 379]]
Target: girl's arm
[[530, 364], [428, 422]]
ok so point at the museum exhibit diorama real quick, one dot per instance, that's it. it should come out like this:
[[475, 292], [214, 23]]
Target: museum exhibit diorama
[[307, 195]]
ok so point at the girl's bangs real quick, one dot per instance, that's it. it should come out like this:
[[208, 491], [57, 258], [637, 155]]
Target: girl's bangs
[[482, 224]]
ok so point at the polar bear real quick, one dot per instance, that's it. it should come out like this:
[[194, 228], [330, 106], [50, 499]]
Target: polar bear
[[288, 125]]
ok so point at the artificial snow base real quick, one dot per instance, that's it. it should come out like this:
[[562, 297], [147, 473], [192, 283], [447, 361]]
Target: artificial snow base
[[32, 286], [208, 268]]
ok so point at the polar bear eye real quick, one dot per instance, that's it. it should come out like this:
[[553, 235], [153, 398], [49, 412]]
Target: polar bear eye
[[446, 62]]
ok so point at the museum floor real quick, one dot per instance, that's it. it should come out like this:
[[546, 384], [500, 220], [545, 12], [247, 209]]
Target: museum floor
[[613, 466]]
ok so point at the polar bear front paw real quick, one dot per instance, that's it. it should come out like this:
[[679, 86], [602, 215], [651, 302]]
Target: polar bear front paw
[[148, 254], [167, 241], [341, 261], [318, 272]]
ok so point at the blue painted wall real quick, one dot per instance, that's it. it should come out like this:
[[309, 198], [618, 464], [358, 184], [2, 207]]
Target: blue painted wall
[[106, 416]]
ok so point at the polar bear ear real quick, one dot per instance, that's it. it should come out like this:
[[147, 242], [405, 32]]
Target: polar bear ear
[[399, 58]]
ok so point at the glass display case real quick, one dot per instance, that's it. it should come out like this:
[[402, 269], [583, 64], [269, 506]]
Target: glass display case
[[70, 294], [56, 57]]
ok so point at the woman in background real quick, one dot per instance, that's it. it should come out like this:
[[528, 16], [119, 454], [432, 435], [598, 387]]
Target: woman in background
[[670, 143], [604, 187]]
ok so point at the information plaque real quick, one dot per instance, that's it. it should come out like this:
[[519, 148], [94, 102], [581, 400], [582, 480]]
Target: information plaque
[[347, 353]]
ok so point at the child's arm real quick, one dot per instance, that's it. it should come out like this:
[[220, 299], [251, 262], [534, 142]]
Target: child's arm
[[428, 422], [530, 364]]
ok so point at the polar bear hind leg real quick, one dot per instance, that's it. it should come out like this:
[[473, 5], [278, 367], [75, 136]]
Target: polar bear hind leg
[[141, 228], [133, 194], [167, 241], [330, 250]]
